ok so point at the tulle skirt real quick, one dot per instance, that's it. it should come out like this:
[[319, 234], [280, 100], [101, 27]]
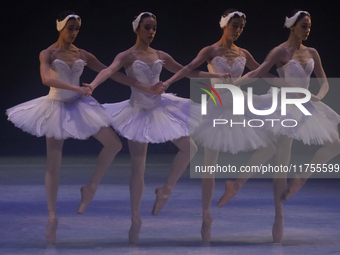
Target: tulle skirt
[[173, 117], [43, 116], [318, 128], [234, 135]]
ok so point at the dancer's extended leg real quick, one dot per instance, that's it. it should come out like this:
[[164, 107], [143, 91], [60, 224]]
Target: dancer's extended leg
[[187, 149], [259, 157], [323, 155]]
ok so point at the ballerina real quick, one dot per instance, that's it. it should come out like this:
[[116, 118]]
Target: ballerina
[[148, 118], [295, 63], [225, 56], [68, 111]]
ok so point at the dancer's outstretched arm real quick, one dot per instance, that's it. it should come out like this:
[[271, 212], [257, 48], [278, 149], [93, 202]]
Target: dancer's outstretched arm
[[268, 63], [189, 70], [253, 65], [94, 64], [108, 72]]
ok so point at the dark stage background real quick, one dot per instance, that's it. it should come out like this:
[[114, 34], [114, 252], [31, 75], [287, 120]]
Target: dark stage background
[[184, 27]]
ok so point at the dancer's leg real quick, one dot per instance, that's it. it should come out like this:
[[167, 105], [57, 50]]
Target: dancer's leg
[[282, 157], [259, 157], [208, 185], [111, 146], [138, 157], [323, 155], [187, 149], [54, 154]]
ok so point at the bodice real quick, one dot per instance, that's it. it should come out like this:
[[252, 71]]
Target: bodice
[[62, 71], [220, 65], [293, 72], [148, 75]]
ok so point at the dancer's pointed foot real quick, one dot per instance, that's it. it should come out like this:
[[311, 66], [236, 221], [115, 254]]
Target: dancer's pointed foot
[[87, 193], [51, 230], [136, 224], [162, 195], [206, 229], [277, 230], [231, 189], [294, 186]]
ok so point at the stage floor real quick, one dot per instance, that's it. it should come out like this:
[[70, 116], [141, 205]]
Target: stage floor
[[243, 226]]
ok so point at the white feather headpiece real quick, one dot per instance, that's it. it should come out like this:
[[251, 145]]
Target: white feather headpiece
[[225, 19], [290, 21], [135, 23], [61, 24]]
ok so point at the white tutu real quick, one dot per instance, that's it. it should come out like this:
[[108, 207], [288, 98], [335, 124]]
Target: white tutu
[[63, 113], [43, 116], [232, 138], [318, 128], [169, 120], [150, 118]]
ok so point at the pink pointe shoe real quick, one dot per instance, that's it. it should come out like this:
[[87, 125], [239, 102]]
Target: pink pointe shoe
[[206, 229], [294, 186], [231, 189], [136, 224], [161, 199], [86, 196], [277, 230], [51, 231]]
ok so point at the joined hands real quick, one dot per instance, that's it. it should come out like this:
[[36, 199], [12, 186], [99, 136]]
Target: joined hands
[[228, 78], [86, 90], [160, 87], [315, 98]]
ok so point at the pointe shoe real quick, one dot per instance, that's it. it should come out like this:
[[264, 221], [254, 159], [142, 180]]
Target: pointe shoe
[[51, 231], [136, 224], [86, 196], [293, 187], [160, 200], [206, 229], [231, 189], [277, 230]]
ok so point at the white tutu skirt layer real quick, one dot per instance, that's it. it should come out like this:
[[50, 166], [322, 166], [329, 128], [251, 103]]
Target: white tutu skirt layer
[[171, 119], [318, 128], [43, 116], [229, 138]]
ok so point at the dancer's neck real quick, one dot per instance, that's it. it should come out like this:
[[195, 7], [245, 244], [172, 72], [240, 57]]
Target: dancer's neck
[[142, 46], [61, 44], [294, 42], [226, 41]]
